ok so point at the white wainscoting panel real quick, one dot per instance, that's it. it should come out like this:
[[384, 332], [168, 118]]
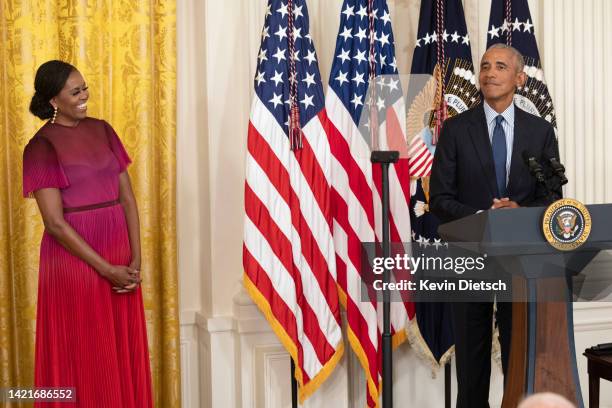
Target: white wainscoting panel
[[242, 364]]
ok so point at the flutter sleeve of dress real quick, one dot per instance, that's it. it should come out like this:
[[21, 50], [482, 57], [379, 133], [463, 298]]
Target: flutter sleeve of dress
[[117, 147], [41, 167]]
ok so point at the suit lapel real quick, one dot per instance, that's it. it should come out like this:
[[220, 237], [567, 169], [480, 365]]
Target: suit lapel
[[518, 145], [480, 138]]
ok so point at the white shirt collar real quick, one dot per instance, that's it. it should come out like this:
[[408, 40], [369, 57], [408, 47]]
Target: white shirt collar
[[491, 114]]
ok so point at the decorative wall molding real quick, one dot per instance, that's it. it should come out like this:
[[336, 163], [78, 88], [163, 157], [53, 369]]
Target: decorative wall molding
[[251, 368], [191, 368], [189, 397], [601, 324], [261, 378]]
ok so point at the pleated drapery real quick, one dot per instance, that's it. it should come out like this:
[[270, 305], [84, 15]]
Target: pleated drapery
[[125, 50]]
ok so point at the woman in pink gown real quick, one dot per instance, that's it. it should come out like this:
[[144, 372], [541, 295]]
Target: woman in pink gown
[[90, 328]]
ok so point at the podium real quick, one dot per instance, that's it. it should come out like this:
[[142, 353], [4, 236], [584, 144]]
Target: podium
[[542, 356]]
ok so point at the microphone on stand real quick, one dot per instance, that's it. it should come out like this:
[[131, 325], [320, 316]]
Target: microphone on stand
[[559, 170], [535, 168], [552, 180]]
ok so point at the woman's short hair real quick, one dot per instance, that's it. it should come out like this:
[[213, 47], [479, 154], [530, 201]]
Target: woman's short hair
[[49, 81]]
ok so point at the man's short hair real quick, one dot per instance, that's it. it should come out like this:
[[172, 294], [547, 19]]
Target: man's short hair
[[518, 57], [546, 400]]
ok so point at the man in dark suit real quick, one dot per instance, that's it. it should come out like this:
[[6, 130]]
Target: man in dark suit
[[478, 166]]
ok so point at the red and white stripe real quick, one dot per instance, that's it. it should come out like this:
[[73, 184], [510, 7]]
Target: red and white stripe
[[420, 158], [289, 256], [356, 193]]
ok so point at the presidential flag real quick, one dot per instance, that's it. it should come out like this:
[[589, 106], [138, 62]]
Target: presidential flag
[[288, 253], [510, 23], [365, 51], [442, 50]]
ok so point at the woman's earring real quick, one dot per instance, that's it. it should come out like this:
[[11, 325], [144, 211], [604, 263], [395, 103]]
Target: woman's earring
[[54, 115]]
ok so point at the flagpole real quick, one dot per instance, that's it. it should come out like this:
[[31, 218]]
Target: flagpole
[[384, 158], [447, 384], [294, 399]]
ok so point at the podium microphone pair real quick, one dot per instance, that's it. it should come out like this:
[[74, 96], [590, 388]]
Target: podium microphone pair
[[552, 179], [536, 169]]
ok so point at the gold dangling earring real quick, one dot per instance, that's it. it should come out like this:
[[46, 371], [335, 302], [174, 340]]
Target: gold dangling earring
[[54, 115]]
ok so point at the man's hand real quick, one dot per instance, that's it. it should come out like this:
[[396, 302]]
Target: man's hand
[[504, 203]]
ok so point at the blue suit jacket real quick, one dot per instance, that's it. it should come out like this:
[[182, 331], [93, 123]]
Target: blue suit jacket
[[463, 175]]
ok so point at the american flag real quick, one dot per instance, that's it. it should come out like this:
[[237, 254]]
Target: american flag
[[288, 253], [356, 182]]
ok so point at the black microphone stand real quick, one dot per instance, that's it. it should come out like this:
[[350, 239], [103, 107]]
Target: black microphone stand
[[385, 157]]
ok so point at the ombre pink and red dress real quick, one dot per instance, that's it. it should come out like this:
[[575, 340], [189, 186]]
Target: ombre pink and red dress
[[87, 336]]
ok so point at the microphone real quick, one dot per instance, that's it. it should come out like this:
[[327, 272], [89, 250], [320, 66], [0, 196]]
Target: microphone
[[535, 168], [559, 169]]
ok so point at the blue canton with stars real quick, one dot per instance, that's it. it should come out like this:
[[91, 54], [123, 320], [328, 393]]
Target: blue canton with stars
[[520, 27], [350, 71], [455, 36], [272, 75]]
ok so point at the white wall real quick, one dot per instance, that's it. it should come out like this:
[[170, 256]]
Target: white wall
[[230, 358]]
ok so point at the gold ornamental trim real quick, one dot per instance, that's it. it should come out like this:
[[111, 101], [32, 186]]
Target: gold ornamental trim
[[566, 224]]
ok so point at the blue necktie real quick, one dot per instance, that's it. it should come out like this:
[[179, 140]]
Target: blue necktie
[[499, 156]]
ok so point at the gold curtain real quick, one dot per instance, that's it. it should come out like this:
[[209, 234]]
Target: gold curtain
[[126, 50]]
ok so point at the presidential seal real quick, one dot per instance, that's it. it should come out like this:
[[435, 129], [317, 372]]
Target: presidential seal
[[566, 224]]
